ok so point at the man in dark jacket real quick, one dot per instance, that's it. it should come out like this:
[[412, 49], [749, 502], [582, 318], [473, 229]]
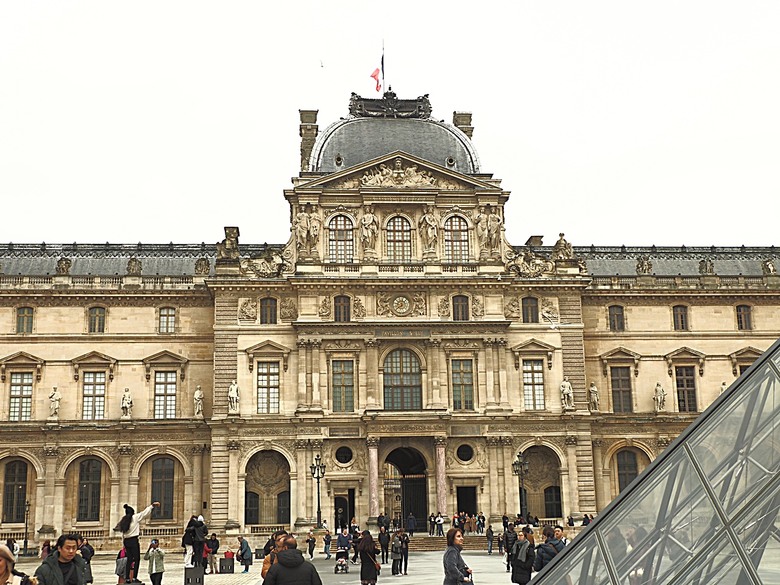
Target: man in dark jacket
[[64, 566], [411, 524], [292, 568], [546, 551], [510, 537]]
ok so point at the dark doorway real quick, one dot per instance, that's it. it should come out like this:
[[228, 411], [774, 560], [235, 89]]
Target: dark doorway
[[406, 485], [341, 512], [467, 500]]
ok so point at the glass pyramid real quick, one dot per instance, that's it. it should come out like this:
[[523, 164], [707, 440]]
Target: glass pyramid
[[706, 511]]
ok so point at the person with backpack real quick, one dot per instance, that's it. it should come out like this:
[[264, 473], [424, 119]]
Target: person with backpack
[[546, 552], [510, 537], [522, 558]]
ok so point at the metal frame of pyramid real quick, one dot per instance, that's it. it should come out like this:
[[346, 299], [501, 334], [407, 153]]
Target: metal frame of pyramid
[[706, 511]]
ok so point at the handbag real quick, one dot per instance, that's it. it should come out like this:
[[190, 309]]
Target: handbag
[[121, 567]]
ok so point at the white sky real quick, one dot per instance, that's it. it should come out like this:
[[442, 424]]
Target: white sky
[[619, 122]]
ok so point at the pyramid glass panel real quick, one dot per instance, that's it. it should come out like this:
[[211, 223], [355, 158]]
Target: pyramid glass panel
[[759, 534], [718, 565]]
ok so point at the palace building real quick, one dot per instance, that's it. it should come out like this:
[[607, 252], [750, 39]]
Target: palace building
[[398, 336]]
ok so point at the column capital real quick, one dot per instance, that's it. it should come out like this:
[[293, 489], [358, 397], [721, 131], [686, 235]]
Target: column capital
[[440, 441], [372, 442]]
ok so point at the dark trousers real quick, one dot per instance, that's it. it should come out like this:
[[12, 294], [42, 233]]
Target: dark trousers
[[396, 566], [405, 559], [385, 549], [133, 553], [156, 578]]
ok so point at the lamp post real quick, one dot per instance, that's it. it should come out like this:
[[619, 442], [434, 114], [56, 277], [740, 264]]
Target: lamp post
[[318, 472], [26, 523], [520, 469]]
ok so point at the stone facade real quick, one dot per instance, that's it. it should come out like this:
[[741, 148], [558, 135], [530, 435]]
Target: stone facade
[[398, 335]]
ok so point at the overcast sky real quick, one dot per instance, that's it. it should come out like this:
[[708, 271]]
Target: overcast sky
[[620, 122]]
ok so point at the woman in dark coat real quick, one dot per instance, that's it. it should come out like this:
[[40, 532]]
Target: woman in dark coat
[[521, 558], [368, 563]]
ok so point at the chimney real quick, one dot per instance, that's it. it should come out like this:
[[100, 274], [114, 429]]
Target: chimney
[[308, 133], [462, 120]]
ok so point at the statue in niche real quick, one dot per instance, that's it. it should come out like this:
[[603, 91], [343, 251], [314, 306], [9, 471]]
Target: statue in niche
[[127, 404], [494, 223], [567, 394], [643, 265], [369, 228], [198, 398], [562, 250], [481, 229], [659, 397], [429, 229], [593, 397], [54, 402], [227, 249], [768, 267], [234, 397], [63, 266]]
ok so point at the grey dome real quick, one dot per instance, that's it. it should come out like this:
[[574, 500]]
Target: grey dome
[[355, 140]]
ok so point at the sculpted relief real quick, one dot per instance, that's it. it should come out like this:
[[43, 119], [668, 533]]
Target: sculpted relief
[[399, 174]]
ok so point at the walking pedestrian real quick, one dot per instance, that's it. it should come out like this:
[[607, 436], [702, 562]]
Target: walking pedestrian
[[455, 568], [384, 543], [369, 566], [489, 535]]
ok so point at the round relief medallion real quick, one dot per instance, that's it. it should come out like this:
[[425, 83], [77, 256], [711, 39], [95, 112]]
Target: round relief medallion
[[401, 305]]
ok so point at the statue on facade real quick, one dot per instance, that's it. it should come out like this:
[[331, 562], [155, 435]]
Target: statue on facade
[[768, 267], [198, 397], [315, 227], [723, 387], [659, 397], [567, 394], [227, 249], [562, 250], [494, 223], [429, 229], [593, 397], [369, 228], [234, 396], [54, 402], [643, 265], [706, 266], [301, 225], [63, 266], [127, 404], [481, 229]]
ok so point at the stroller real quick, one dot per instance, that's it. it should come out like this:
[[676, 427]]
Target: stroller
[[342, 561]]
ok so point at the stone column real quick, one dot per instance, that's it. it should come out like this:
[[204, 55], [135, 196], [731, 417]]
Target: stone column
[[511, 488], [602, 495], [495, 508], [50, 499], [234, 450], [299, 513], [303, 346], [441, 474], [492, 399], [572, 505], [197, 477], [125, 451], [372, 373], [373, 478]]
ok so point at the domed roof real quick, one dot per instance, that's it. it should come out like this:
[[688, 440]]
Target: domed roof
[[374, 129]]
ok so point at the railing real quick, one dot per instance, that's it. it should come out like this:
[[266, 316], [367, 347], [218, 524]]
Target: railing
[[18, 536], [94, 534], [266, 528], [160, 531]]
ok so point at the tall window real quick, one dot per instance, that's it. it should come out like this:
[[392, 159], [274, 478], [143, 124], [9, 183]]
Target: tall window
[[97, 320], [251, 508], [685, 380], [399, 239], [94, 395], [268, 311], [402, 381], [14, 491], [165, 395], [343, 385], [627, 468], [552, 502], [744, 318], [283, 507], [533, 384], [167, 320], [90, 471], [463, 384], [341, 246], [680, 317], [460, 308], [268, 387], [342, 306], [621, 389], [21, 396], [530, 310], [162, 487], [456, 240], [617, 321], [24, 320]]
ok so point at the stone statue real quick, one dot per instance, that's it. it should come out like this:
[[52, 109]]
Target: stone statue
[[643, 265], [301, 224], [481, 229], [494, 223], [227, 249], [768, 267], [723, 387], [593, 397], [567, 394], [198, 397], [369, 228], [562, 250], [54, 402], [315, 227], [234, 396], [127, 404], [659, 397], [429, 229]]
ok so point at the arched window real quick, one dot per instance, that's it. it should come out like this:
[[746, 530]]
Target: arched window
[[268, 311], [97, 320], [24, 320], [627, 468], [342, 305], [402, 381], [90, 472], [251, 508], [341, 243], [530, 310], [399, 239], [680, 317], [456, 240], [460, 308], [617, 321], [15, 491], [552, 502], [162, 486]]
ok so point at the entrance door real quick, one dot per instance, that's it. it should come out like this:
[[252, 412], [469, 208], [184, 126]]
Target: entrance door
[[406, 486], [341, 515], [467, 499]]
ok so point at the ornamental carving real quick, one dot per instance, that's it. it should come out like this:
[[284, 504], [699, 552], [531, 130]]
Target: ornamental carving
[[227, 249], [643, 265], [372, 442], [202, 267], [63, 266], [768, 267], [50, 451], [477, 308], [706, 266], [234, 445], [358, 308], [324, 310], [562, 250], [134, 267], [512, 308], [527, 264], [247, 309], [267, 470], [549, 312], [288, 311], [419, 305], [383, 304], [271, 265], [444, 307]]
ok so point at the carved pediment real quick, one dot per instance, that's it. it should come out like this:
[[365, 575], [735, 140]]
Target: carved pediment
[[22, 359], [533, 347], [743, 356], [620, 354], [685, 354], [93, 359], [266, 349], [165, 359]]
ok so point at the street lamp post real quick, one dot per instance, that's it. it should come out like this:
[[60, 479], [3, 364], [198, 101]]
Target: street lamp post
[[318, 472], [520, 469], [26, 523]]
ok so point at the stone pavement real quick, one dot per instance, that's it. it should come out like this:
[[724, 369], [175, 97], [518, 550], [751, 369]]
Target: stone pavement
[[425, 568]]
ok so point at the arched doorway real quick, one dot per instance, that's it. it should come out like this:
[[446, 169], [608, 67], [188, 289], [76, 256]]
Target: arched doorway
[[406, 485], [543, 483], [267, 496]]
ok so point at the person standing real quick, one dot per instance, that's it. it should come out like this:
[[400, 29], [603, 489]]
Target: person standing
[[291, 568], [311, 541], [130, 527], [395, 554], [411, 524], [46, 549], [213, 544], [404, 549], [156, 557], [510, 537], [522, 559], [489, 535], [244, 553], [455, 568], [548, 549], [384, 543], [369, 567], [8, 574], [326, 540], [64, 566], [439, 524], [87, 552], [431, 524]]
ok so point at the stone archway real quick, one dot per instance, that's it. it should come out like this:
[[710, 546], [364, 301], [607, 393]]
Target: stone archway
[[543, 483], [406, 485], [267, 485]]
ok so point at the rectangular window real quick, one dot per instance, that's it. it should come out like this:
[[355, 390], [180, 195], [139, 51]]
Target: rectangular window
[[97, 320], [268, 311], [165, 395], [744, 318], [680, 314], [617, 320], [343, 385], [268, 387], [24, 320], [621, 389], [463, 384], [21, 396], [685, 380], [167, 320], [460, 308], [94, 395], [533, 384]]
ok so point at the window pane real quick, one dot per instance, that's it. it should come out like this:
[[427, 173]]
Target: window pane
[[462, 385], [680, 314], [456, 240], [21, 396], [627, 468], [530, 310], [167, 320], [162, 487], [399, 240], [402, 381], [533, 384], [268, 311], [343, 385], [341, 242], [744, 321], [14, 491], [94, 395], [97, 320], [165, 395], [341, 308], [616, 320], [460, 308], [89, 490], [268, 387], [621, 389], [686, 388], [24, 320]]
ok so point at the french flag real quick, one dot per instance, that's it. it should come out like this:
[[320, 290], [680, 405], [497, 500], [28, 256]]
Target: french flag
[[379, 71]]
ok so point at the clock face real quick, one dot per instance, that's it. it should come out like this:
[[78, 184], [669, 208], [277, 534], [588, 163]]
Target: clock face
[[401, 305]]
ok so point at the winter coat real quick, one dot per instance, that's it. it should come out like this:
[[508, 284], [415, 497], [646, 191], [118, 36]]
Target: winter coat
[[545, 553], [368, 570], [454, 566], [49, 573], [292, 569], [156, 558], [522, 560], [396, 549]]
